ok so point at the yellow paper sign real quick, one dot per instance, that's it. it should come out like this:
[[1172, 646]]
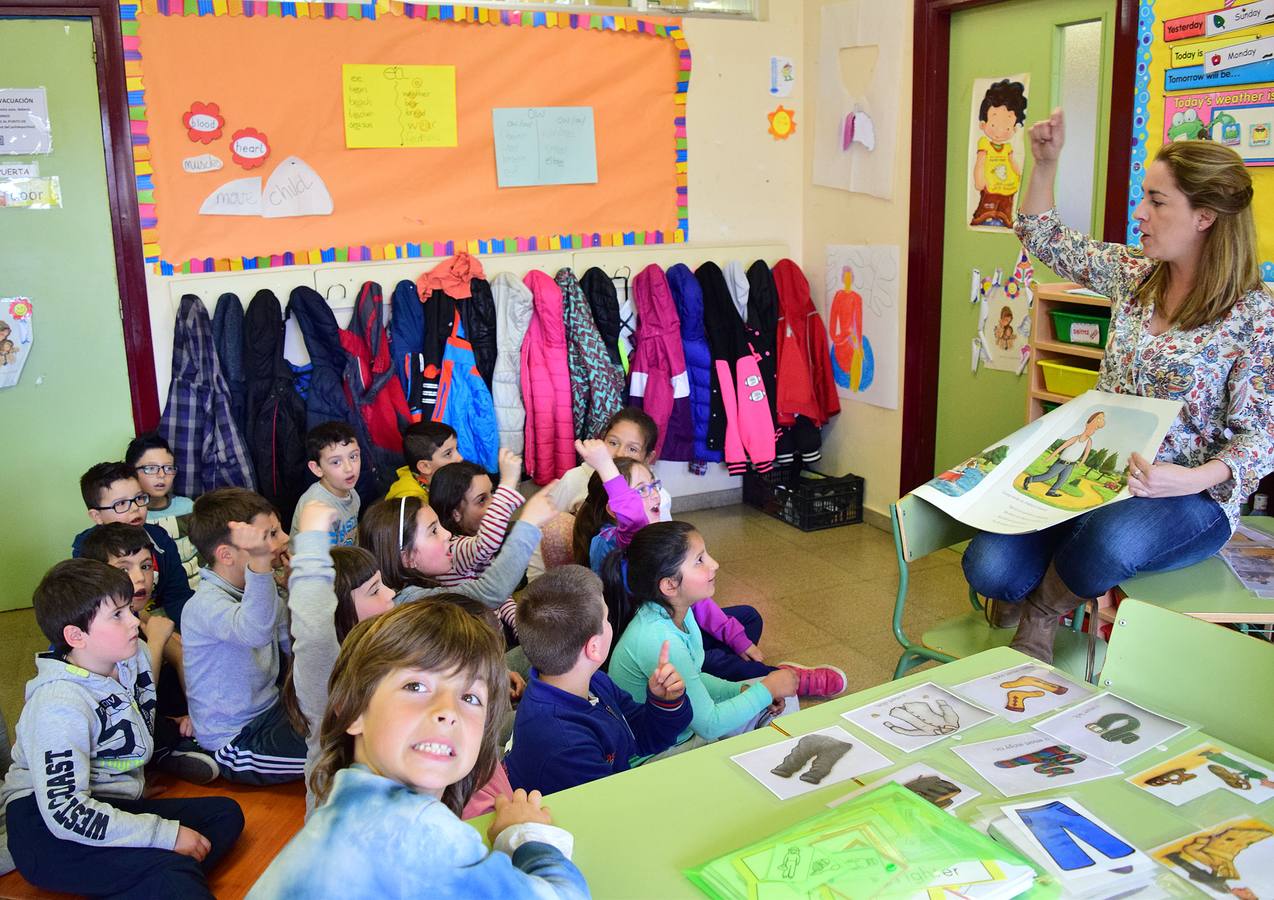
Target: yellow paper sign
[[399, 106], [31, 193]]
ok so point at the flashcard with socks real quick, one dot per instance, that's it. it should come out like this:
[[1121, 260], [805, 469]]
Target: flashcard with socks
[[806, 763], [1027, 763], [917, 717], [1023, 692]]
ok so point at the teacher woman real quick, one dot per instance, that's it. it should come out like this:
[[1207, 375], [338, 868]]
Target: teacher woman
[[1190, 321]]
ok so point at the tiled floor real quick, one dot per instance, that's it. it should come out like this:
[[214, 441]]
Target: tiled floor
[[826, 597]]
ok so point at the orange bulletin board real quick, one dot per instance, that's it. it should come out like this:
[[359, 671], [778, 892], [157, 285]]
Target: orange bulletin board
[[274, 72]]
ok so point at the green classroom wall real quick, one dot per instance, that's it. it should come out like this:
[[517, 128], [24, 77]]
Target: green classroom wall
[[71, 407], [977, 409]]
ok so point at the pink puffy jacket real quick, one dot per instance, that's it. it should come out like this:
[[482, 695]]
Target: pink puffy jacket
[[546, 384]]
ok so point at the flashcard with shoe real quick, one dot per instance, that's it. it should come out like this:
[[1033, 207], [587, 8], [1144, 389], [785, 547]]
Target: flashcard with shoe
[[1023, 692], [1230, 859], [1028, 763], [806, 763], [1206, 768], [1111, 728], [925, 781], [918, 717]]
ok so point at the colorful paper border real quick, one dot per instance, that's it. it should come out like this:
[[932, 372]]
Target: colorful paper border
[[442, 12]]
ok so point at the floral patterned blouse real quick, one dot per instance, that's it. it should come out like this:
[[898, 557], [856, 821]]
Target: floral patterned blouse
[[1222, 372]]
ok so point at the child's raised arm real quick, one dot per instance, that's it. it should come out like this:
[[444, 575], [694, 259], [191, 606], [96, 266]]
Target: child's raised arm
[[472, 552], [624, 501]]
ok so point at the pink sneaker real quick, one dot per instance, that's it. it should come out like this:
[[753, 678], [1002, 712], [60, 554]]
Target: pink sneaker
[[819, 681]]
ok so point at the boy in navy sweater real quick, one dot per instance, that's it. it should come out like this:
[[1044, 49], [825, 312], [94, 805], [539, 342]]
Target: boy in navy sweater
[[573, 725]]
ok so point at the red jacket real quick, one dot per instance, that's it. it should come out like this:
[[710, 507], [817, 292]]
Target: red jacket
[[371, 383], [546, 384], [806, 386]]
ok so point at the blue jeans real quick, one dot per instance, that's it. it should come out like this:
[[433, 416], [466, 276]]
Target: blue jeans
[[1053, 825], [1062, 471], [1096, 551]]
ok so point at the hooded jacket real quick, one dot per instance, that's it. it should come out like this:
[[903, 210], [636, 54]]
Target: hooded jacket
[[407, 339], [597, 384], [659, 383], [464, 402], [327, 399], [274, 411], [806, 386], [740, 423], [458, 285], [369, 375], [197, 421], [227, 337], [546, 384], [82, 741], [689, 299], [604, 303], [513, 315]]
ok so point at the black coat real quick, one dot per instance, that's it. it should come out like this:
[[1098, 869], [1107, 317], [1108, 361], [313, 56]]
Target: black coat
[[604, 303]]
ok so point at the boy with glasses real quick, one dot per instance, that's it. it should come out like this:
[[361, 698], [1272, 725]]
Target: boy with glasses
[[152, 460], [112, 493]]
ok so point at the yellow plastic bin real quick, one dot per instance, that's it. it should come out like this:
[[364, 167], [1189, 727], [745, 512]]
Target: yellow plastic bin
[[1069, 381]]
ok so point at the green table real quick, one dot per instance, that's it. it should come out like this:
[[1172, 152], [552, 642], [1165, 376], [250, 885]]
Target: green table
[[636, 832], [1206, 590]]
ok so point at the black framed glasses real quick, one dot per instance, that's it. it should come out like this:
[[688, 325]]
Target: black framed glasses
[[124, 504], [155, 470]]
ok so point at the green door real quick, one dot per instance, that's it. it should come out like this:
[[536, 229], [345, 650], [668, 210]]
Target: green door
[[71, 407], [1060, 44]]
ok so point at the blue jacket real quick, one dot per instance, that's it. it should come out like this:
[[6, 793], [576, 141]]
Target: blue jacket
[[406, 337], [227, 338], [464, 402], [172, 588], [561, 740], [689, 299], [375, 838]]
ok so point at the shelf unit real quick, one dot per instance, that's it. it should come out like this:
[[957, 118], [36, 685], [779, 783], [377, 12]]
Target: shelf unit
[[1045, 346]]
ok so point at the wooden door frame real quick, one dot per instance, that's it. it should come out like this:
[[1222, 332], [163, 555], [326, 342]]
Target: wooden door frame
[[121, 188], [930, 68]]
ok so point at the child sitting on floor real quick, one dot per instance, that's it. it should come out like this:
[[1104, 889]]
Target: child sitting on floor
[[417, 698], [427, 447], [128, 548], [665, 571], [77, 820], [234, 638], [336, 460], [573, 724], [152, 460], [477, 517]]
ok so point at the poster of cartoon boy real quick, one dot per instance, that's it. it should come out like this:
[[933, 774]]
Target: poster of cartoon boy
[[997, 169]]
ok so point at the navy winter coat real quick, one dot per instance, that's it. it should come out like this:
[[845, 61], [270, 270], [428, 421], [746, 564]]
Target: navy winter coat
[[227, 338], [689, 299]]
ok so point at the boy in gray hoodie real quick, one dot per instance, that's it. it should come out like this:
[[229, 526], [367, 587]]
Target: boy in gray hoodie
[[234, 634], [73, 797]]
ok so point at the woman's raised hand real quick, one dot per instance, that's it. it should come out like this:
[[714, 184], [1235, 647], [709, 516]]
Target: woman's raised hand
[[1047, 137]]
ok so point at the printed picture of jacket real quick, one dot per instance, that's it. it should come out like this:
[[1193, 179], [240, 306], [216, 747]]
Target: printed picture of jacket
[[821, 751], [918, 718], [597, 384], [1056, 825], [934, 788]]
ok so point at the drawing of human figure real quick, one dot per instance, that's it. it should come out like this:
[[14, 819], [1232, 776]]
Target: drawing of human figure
[[853, 363], [996, 175], [1005, 336], [1074, 451], [8, 349]]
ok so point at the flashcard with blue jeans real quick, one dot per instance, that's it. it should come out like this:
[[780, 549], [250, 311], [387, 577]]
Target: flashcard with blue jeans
[[1071, 839]]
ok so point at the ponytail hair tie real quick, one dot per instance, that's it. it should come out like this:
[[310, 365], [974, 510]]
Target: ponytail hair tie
[[623, 574]]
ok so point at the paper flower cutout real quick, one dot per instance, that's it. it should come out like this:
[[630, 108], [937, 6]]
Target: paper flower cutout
[[782, 123], [20, 308], [249, 147], [1011, 288], [203, 122]]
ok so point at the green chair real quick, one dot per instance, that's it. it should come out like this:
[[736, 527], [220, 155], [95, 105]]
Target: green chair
[[920, 528], [1225, 688]]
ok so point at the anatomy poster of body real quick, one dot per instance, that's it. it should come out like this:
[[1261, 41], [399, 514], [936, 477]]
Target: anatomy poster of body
[[923, 780], [1232, 859], [806, 763], [917, 717], [1111, 728], [1027, 763], [1063, 464], [1207, 768], [996, 150], [862, 318], [1023, 692], [1004, 317]]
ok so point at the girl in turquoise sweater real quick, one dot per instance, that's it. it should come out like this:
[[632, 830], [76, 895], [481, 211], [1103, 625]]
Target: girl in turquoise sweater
[[666, 569]]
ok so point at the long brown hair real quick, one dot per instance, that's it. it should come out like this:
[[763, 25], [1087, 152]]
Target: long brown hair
[[379, 533], [592, 513], [354, 567], [430, 635], [1212, 177]]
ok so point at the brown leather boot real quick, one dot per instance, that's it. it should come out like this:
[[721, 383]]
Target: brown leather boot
[[1041, 609]]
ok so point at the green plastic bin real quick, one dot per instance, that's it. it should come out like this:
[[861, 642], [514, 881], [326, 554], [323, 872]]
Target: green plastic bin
[[1078, 328]]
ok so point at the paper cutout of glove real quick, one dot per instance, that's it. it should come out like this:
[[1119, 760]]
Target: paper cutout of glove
[[921, 719]]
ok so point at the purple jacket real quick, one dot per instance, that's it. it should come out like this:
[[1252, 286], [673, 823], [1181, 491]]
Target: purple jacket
[[659, 383]]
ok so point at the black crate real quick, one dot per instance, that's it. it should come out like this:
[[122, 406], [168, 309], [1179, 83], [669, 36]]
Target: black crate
[[807, 499]]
